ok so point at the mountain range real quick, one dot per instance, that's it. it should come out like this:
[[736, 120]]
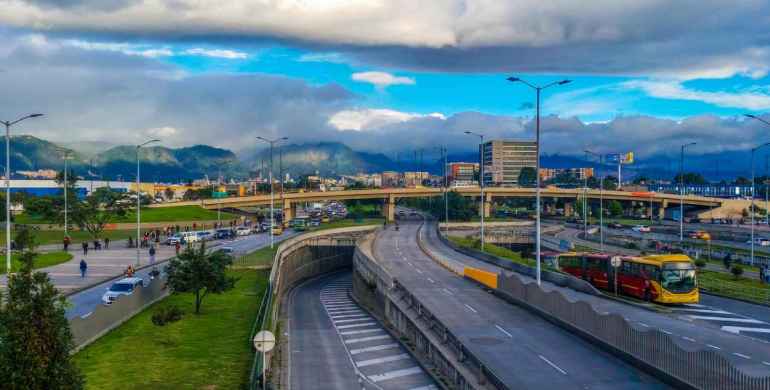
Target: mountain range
[[159, 163]]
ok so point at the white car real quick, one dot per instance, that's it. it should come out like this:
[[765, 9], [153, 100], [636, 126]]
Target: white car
[[125, 286], [641, 229], [242, 231]]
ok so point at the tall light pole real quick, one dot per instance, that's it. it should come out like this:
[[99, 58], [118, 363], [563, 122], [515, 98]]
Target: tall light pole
[[767, 214], [601, 199], [443, 151], [139, 200], [67, 156], [753, 187], [8, 125], [585, 201], [272, 192], [681, 192], [538, 90], [481, 182]]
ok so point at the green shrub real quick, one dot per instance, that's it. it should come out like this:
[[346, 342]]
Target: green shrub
[[167, 315], [700, 263], [737, 271]]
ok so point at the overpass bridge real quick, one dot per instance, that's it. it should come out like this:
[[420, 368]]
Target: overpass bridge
[[722, 208]]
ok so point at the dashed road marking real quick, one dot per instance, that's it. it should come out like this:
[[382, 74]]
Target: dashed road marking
[[688, 339], [356, 325], [739, 329], [471, 309], [373, 349], [448, 292], [727, 319], [550, 363], [500, 328], [352, 332], [386, 359], [665, 331], [741, 355], [365, 339], [713, 346], [431, 280]]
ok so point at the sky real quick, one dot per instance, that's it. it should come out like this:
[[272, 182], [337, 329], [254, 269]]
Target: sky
[[390, 76]]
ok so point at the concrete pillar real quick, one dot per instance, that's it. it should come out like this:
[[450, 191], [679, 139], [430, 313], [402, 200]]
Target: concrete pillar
[[389, 208], [289, 210], [662, 209], [569, 210], [487, 208]]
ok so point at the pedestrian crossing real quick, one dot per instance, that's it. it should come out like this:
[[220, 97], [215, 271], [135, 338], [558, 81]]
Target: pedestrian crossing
[[374, 353], [725, 320]]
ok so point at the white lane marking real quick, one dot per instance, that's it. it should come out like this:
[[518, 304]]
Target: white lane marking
[[348, 316], [352, 320], [727, 319], [334, 290], [552, 365], [352, 332], [665, 331], [428, 387], [741, 355], [448, 292], [704, 311], [395, 374], [365, 339], [712, 346], [694, 305], [357, 325], [386, 359], [341, 306], [766, 363], [336, 300], [419, 271], [431, 280], [471, 309], [688, 339], [373, 349], [644, 325], [87, 314], [739, 329], [331, 312], [500, 328]]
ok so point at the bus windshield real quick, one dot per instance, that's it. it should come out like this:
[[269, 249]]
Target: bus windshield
[[678, 277]]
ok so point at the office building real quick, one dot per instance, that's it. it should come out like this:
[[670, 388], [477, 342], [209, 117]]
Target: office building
[[462, 174], [503, 161], [390, 179], [576, 173], [414, 179]]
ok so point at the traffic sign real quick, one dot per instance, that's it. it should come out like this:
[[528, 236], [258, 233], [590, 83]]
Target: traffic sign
[[218, 194], [264, 341], [616, 261]]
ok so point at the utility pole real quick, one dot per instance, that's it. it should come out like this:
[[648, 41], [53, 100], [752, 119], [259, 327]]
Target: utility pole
[[139, 200], [681, 192], [272, 192]]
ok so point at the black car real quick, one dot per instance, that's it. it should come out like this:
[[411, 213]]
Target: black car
[[223, 234]]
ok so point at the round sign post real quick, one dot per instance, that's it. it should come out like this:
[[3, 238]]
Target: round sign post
[[264, 342], [616, 261]]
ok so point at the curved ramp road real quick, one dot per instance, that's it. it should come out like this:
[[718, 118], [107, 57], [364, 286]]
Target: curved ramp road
[[522, 349], [333, 343]]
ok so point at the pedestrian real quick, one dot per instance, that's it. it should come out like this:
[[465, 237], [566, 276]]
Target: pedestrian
[[727, 261], [152, 254], [130, 242], [763, 273], [66, 243], [106, 243], [97, 245], [85, 248], [83, 268], [177, 246]]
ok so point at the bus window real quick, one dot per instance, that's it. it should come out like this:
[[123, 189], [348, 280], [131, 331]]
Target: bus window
[[678, 277]]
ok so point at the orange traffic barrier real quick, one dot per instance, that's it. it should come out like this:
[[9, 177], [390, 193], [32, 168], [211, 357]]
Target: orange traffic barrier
[[486, 278]]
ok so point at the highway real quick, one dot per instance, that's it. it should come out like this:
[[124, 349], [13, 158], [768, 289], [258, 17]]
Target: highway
[[333, 343], [522, 349], [84, 302], [739, 331]]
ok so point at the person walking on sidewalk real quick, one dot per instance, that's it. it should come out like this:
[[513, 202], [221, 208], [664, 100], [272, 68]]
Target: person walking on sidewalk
[[177, 246], [66, 243], [85, 248], [152, 254], [106, 243], [83, 268]]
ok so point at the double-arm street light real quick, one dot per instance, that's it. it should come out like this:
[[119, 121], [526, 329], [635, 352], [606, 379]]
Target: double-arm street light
[[538, 90], [681, 191], [481, 182], [8, 125], [139, 200], [272, 193], [443, 151], [753, 184], [601, 199], [67, 157]]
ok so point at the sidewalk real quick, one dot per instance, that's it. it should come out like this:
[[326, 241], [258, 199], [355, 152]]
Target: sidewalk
[[102, 265]]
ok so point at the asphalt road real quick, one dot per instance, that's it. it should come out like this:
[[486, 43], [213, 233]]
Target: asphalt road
[[522, 349], [84, 302], [333, 343]]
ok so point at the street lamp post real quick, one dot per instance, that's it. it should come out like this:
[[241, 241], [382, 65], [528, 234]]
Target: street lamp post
[[272, 192], [601, 199], [538, 90], [67, 156], [139, 200], [752, 186], [681, 192], [443, 151], [585, 202], [8, 125], [481, 182]]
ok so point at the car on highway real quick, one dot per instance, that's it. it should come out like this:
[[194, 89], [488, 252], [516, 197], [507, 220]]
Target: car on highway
[[226, 249], [759, 241], [615, 225], [204, 236], [222, 234], [315, 222], [277, 230], [641, 229], [125, 286], [242, 231]]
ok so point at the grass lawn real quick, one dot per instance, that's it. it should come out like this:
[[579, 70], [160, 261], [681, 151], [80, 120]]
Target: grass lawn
[[206, 351], [742, 288], [341, 223], [492, 250], [260, 257], [42, 260], [44, 237], [622, 221], [160, 214]]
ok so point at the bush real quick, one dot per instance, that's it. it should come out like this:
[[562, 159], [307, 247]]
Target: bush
[[737, 271], [700, 263], [631, 245], [166, 315]]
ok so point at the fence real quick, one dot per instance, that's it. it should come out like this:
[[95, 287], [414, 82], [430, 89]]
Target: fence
[[699, 369], [90, 327]]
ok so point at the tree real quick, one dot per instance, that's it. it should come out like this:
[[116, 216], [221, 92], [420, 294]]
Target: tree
[[199, 273], [691, 178], [36, 338], [742, 181], [527, 177], [610, 183], [615, 208], [103, 206]]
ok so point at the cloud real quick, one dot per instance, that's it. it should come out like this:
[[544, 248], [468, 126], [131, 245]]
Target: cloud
[[381, 79], [217, 53], [750, 100], [604, 36], [164, 132], [361, 119], [125, 48]]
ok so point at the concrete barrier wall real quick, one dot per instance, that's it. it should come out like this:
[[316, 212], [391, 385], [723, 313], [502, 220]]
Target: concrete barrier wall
[[104, 318]]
